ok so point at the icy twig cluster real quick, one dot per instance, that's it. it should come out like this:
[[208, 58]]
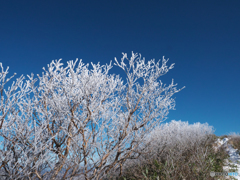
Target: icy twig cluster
[[75, 121]]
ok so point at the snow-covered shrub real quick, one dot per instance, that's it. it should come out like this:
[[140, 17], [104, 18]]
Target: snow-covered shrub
[[76, 120], [235, 141], [178, 134], [174, 150]]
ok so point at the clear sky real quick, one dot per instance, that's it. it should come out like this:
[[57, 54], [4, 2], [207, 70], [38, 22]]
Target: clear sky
[[202, 38]]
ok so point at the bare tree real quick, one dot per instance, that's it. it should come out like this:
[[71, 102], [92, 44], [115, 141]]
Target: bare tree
[[80, 122]]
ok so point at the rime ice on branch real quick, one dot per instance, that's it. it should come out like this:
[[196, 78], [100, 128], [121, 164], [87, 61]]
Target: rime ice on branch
[[75, 121]]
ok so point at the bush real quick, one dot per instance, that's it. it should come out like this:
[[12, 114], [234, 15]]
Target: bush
[[176, 150], [235, 140], [79, 121]]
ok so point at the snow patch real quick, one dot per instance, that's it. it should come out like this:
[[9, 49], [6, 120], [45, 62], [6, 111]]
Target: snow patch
[[234, 156]]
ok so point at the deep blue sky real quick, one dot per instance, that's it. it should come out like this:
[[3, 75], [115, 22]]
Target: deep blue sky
[[201, 37]]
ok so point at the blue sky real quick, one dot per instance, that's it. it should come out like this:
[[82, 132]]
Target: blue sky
[[200, 37]]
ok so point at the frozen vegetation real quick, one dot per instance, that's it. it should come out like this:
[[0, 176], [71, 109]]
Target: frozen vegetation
[[178, 150], [77, 122]]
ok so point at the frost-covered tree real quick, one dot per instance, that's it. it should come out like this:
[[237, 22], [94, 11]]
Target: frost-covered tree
[[77, 121]]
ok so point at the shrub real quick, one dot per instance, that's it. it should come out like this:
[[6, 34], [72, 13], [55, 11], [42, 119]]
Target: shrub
[[176, 150], [235, 140], [78, 121]]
